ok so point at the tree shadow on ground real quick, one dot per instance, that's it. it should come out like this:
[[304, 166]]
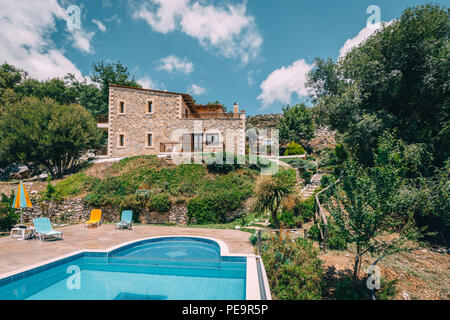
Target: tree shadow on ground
[[339, 285]]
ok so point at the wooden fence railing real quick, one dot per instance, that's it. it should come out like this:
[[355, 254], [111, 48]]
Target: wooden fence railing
[[319, 214]]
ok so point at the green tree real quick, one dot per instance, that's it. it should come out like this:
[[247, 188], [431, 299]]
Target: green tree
[[111, 73], [430, 203], [56, 89], [46, 133], [398, 78], [88, 95], [10, 77], [294, 149], [296, 124], [270, 191], [366, 206], [8, 215]]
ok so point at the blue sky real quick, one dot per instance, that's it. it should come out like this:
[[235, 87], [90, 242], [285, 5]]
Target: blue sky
[[253, 52]]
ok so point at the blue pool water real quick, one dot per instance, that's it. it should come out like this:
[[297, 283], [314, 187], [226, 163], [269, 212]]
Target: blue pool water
[[173, 268]]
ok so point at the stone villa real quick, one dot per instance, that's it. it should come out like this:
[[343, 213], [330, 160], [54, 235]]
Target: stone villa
[[145, 122]]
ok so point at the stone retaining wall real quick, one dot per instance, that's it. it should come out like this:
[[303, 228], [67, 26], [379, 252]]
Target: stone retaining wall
[[78, 211]]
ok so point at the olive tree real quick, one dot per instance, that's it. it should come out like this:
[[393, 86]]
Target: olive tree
[[367, 207], [397, 78], [47, 133], [296, 124]]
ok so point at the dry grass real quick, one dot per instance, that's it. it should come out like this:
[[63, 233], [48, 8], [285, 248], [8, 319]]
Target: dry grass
[[421, 274]]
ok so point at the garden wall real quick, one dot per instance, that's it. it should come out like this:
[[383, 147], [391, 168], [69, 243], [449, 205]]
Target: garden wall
[[78, 211]]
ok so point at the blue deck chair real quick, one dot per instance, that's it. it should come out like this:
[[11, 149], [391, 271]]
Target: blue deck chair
[[126, 221], [44, 228]]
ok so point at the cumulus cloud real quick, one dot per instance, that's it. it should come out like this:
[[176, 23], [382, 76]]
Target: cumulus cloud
[[100, 25], [147, 83], [82, 40], [282, 83], [228, 29], [25, 38], [196, 89], [362, 36], [172, 63]]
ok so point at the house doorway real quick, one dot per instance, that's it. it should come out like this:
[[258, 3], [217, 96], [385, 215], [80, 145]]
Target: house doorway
[[193, 142]]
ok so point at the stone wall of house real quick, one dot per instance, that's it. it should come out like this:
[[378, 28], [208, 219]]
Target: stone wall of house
[[78, 211], [165, 123]]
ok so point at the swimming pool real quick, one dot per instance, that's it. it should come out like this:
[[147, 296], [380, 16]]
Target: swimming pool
[[163, 268]]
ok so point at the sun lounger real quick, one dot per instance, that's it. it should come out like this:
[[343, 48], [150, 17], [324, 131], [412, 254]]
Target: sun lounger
[[126, 221], [44, 228], [95, 218]]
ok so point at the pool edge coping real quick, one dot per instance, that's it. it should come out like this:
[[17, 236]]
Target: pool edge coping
[[252, 288]]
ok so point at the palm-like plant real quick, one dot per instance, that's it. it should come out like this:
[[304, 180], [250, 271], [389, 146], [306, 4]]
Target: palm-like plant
[[270, 191]]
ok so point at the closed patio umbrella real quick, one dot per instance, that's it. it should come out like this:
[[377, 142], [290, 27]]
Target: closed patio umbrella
[[21, 200]]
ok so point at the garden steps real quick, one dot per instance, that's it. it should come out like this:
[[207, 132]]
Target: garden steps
[[309, 189]]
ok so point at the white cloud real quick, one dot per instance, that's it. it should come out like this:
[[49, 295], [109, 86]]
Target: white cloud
[[362, 36], [228, 29], [25, 38], [251, 77], [114, 18], [147, 83], [196, 89], [282, 83], [100, 25], [172, 63], [82, 40]]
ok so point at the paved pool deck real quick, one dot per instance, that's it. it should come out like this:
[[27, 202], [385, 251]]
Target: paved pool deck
[[16, 254]]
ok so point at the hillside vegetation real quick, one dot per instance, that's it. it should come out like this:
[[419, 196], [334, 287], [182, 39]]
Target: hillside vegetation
[[156, 184]]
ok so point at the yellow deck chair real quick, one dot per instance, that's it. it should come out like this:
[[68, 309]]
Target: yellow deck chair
[[95, 218]]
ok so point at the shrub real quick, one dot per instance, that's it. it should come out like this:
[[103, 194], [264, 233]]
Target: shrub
[[293, 149], [326, 180], [294, 269], [328, 158], [387, 290], [260, 163], [213, 207], [301, 164], [8, 215], [305, 208], [253, 239], [307, 175], [340, 152], [430, 202], [187, 188], [50, 192], [220, 162], [160, 203], [314, 232], [335, 240], [289, 220]]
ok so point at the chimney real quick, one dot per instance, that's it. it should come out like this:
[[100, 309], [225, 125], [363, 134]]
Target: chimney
[[236, 108]]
